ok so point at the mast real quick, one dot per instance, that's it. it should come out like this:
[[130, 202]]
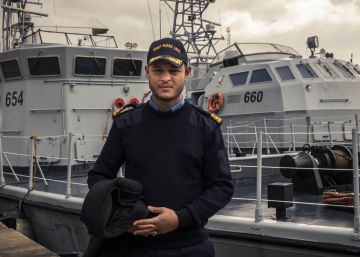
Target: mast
[[189, 26], [16, 22]]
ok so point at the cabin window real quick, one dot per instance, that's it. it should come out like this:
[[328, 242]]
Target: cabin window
[[231, 62], [10, 69], [44, 66], [239, 79], [127, 67], [90, 65], [285, 73], [328, 71], [260, 76], [306, 71], [344, 70]]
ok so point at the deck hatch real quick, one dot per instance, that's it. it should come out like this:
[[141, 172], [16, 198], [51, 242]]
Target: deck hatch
[[127, 67], [10, 69], [44, 66], [90, 65]]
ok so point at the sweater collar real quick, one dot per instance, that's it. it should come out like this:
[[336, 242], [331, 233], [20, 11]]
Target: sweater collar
[[173, 108], [169, 113]]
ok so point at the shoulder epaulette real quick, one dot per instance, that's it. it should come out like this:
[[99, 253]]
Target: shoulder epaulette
[[124, 109], [213, 116]]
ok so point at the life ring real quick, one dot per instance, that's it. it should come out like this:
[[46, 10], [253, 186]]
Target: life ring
[[215, 102], [119, 103], [145, 97], [134, 100]]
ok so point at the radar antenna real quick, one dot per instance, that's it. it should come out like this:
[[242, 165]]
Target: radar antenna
[[16, 22], [189, 26]]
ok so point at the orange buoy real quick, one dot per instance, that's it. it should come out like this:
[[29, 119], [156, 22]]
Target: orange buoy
[[215, 102], [134, 100], [119, 102]]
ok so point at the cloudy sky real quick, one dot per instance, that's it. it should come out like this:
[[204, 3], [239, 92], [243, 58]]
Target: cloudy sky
[[288, 22]]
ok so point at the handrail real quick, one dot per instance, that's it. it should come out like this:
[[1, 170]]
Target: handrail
[[315, 131], [2, 178], [66, 34], [49, 179], [11, 168], [286, 133], [68, 178], [356, 181], [238, 168], [294, 202], [299, 118], [31, 166], [258, 211]]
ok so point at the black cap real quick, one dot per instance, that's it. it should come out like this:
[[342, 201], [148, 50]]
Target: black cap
[[168, 49]]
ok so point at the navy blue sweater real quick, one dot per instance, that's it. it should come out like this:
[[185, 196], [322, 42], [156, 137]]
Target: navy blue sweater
[[180, 160]]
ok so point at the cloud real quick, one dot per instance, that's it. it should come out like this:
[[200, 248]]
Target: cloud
[[299, 14], [288, 22], [336, 22]]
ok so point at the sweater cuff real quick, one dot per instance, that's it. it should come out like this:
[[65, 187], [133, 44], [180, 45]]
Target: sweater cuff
[[185, 218]]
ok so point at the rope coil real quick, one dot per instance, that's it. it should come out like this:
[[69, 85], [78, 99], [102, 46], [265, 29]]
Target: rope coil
[[338, 198]]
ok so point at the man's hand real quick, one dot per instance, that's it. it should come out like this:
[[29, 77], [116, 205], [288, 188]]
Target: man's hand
[[165, 222]]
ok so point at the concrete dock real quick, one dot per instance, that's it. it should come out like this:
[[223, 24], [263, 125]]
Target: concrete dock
[[15, 244]]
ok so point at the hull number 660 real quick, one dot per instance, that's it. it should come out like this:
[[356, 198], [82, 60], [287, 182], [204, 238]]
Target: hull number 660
[[255, 96]]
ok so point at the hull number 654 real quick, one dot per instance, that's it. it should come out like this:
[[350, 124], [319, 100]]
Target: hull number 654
[[14, 98]]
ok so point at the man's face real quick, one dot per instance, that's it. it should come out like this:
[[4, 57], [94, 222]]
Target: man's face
[[166, 81]]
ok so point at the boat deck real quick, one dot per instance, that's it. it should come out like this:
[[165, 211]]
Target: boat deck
[[307, 208]]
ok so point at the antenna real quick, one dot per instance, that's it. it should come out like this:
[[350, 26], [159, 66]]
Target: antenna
[[151, 20], [228, 30], [16, 22], [160, 17], [189, 26]]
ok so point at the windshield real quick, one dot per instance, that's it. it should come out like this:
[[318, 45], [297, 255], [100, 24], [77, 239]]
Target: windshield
[[243, 49]]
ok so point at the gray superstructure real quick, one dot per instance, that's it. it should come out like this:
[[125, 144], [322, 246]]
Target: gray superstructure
[[271, 87], [51, 91]]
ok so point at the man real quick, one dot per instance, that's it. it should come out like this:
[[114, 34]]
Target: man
[[176, 151]]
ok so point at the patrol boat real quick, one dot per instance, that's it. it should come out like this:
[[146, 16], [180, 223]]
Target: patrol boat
[[59, 91], [291, 129], [49, 141]]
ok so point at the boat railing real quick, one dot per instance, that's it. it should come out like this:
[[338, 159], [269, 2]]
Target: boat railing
[[34, 157], [293, 132], [258, 198], [259, 157], [69, 38]]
